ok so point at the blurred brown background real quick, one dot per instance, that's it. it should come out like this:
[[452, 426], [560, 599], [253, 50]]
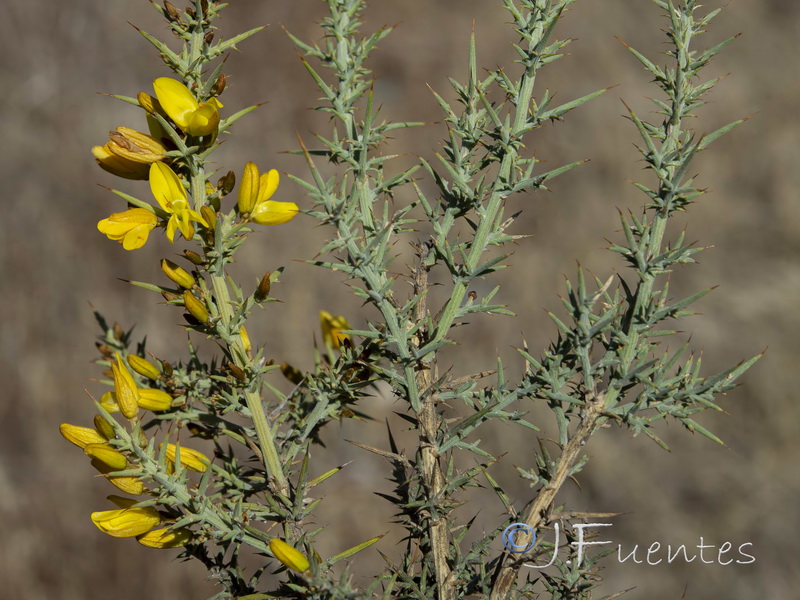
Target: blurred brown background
[[54, 263]]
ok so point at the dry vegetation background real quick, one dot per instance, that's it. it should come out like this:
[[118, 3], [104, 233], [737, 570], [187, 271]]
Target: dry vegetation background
[[56, 55]]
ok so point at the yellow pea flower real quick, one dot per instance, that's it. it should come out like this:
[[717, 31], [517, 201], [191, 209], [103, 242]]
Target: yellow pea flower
[[126, 522], [332, 327], [288, 555], [190, 459], [165, 538], [129, 228], [172, 197], [255, 192], [195, 118], [128, 153]]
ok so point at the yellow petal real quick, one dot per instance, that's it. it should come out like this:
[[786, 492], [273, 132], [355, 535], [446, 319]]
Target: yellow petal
[[203, 121], [136, 238], [274, 213], [332, 327], [130, 228], [248, 189], [172, 226], [289, 556], [109, 402], [127, 522], [165, 538], [190, 459], [268, 185], [166, 186], [176, 100]]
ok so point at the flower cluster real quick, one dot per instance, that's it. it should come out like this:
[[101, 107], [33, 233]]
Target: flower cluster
[[100, 443], [179, 126]]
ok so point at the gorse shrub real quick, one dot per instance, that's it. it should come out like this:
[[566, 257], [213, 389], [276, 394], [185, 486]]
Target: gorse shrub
[[214, 454]]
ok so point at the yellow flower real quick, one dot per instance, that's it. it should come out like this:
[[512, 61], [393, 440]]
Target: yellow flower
[[255, 192], [289, 556], [195, 118], [125, 388], [81, 436], [190, 459], [126, 522], [165, 538], [129, 228], [332, 327], [172, 197], [128, 153]]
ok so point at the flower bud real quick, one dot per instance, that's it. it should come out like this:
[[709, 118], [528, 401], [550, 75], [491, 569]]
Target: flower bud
[[219, 85], [81, 436], [194, 258], [262, 292], [173, 14], [126, 522], [114, 460], [227, 183], [125, 389], [170, 296], [248, 189], [190, 459], [245, 340], [167, 367], [104, 428], [195, 307], [288, 555], [135, 146], [143, 367], [209, 216], [178, 275], [165, 538], [237, 372], [154, 400]]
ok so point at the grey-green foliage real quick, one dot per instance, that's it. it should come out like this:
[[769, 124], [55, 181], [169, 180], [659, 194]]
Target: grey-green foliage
[[605, 366]]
